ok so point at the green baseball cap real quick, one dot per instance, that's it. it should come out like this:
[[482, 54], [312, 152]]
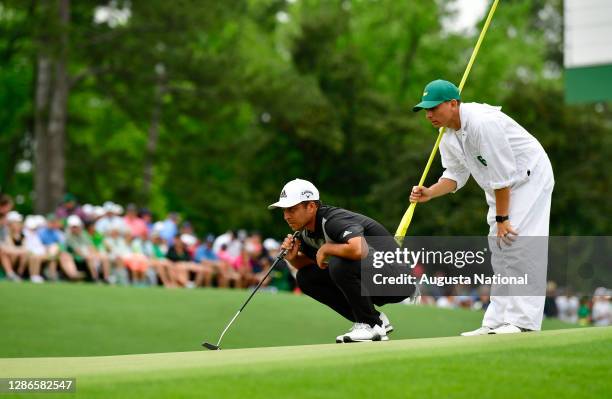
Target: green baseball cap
[[436, 93]]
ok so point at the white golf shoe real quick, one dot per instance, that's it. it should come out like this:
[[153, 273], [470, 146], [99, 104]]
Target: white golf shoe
[[362, 332], [340, 338], [507, 329], [479, 331], [386, 323]]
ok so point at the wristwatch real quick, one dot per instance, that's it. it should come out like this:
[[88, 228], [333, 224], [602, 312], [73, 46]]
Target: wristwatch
[[501, 219]]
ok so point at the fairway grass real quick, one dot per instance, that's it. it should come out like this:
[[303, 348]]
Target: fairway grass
[[570, 363]]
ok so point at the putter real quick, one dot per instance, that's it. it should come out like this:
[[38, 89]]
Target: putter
[[279, 257]]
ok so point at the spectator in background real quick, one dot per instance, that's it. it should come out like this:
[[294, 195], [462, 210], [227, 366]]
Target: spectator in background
[[79, 244], [602, 308], [243, 264], [177, 253], [184, 265], [236, 246], [224, 239], [96, 237], [135, 224], [97, 214], [254, 245], [69, 206], [136, 261], [191, 243], [186, 228], [484, 298], [111, 217], [37, 252], [260, 261], [170, 228], [53, 239], [6, 205], [281, 277], [463, 296], [118, 249], [203, 272], [51, 231], [88, 211], [550, 303], [234, 262], [14, 254], [147, 218], [156, 249], [255, 265], [584, 311], [567, 307], [205, 255]]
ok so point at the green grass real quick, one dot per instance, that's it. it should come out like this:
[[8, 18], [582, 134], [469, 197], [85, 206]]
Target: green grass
[[89, 320], [570, 363], [68, 330]]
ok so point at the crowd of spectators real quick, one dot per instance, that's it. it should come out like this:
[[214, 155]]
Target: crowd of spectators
[[112, 245], [560, 303], [564, 304]]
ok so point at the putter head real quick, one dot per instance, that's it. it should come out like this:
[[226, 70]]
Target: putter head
[[210, 346]]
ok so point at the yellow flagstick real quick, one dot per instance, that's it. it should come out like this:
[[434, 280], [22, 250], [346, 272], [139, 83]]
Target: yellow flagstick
[[400, 233]]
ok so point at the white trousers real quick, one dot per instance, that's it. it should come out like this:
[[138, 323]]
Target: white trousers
[[530, 218]]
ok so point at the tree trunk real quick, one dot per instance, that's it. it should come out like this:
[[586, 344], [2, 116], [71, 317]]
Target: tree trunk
[[57, 134], [52, 90], [153, 137], [41, 159]]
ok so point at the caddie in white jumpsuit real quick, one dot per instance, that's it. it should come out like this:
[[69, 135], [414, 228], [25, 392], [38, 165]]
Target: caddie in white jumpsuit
[[512, 168]]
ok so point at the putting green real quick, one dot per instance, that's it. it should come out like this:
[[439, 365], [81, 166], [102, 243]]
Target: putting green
[[566, 363]]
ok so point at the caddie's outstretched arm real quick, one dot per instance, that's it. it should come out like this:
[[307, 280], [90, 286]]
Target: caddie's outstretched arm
[[424, 194]]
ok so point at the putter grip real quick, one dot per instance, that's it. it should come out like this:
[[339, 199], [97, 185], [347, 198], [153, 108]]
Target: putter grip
[[283, 253]]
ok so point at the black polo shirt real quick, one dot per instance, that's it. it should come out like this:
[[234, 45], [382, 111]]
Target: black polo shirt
[[337, 225]]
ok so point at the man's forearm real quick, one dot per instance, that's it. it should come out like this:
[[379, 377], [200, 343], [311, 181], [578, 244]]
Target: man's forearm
[[301, 260], [352, 250], [502, 201], [443, 187]]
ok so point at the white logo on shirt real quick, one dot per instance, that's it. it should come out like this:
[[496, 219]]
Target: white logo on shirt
[[346, 232]]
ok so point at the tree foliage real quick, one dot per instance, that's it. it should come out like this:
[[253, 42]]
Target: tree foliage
[[209, 107]]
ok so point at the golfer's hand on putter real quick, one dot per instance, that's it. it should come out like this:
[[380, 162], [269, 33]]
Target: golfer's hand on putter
[[420, 194], [505, 233], [292, 246]]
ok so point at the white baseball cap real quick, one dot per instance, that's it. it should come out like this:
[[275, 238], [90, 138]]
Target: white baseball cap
[[14, 216], [117, 209], [158, 227], [294, 192], [88, 209], [189, 239], [31, 222], [271, 244], [74, 221], [98, 211], [109, 206]]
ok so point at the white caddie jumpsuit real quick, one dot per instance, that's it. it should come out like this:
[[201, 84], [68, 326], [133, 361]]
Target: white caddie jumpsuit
[[500, 153]]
